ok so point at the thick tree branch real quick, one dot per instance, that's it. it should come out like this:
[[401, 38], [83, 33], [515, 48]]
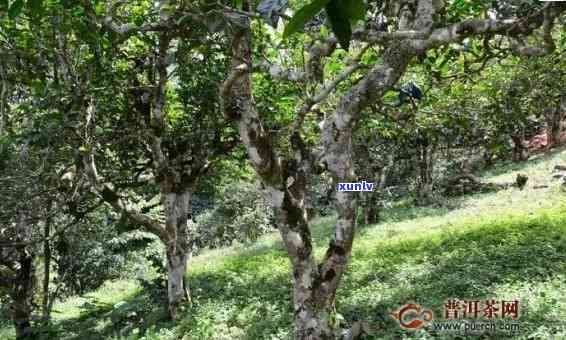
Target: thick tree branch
[[328, 88], [278, 72], [283, 181], [56, 233], [228, 84], [457, 32], [238, 105], [520, 48], [425, 13], [7, 257], [338, 153], [109, 22], [158, 110], [4, 92], [377, 37], [108, 194], [511, 28], [317, 52]]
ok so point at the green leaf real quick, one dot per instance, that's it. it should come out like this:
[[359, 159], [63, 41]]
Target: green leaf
[[36, 6], [340, 23], [38, 87], [3, 5], [303, 15], [355, 9], [15, 9], [239, 4]]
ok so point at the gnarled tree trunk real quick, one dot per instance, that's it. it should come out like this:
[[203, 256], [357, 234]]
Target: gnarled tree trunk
[[177, 288], [22, 295], [176, 191], [177, 211], [554, 118], [315, 283], [520, 150], [425, 173], [372, 200], [23, 282], [371, 209], [46, 303]]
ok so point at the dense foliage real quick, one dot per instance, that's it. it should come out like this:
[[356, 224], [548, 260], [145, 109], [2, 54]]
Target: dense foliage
[[138, 135]]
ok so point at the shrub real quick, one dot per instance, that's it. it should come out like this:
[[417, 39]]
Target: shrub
[[240, 213], [88, 255]]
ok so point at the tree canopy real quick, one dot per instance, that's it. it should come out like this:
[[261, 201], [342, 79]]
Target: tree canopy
[[174, 126]]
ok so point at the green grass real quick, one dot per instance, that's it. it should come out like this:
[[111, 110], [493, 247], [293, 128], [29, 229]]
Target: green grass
[[509, 244]]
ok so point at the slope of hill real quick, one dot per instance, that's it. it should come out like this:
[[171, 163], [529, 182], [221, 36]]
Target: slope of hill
[[506, 245]]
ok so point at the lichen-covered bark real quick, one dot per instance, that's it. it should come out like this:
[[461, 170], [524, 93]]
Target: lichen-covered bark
[[425, 160], [315, 284], [176, 186], [337, 142], [520, 149], [371, 208], [554, 118], [176, 190], [46, 303], [285, 190], [177, 209], [285, 181], [22, 296], [23, 282]]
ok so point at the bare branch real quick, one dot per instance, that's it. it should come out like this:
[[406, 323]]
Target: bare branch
[[278, 72], [228, 9], [329, 87], [54, 235], [4, 85], [512, 28], [317, 52], [377, 37], [425, 13], [108, 21], [520, 48], [125, 30], [64, 64], [457, 32]]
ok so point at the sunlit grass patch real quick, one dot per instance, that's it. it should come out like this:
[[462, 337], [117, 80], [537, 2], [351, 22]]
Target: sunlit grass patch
[[509, 244]]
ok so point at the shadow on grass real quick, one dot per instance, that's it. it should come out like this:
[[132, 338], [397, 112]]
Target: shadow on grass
[[510, 166], [257, 305], [254, 293], [249, 295], [406, 210], [471, 264], [100, 320]]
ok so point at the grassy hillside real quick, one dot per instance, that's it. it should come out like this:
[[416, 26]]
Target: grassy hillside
[[509, 245]]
